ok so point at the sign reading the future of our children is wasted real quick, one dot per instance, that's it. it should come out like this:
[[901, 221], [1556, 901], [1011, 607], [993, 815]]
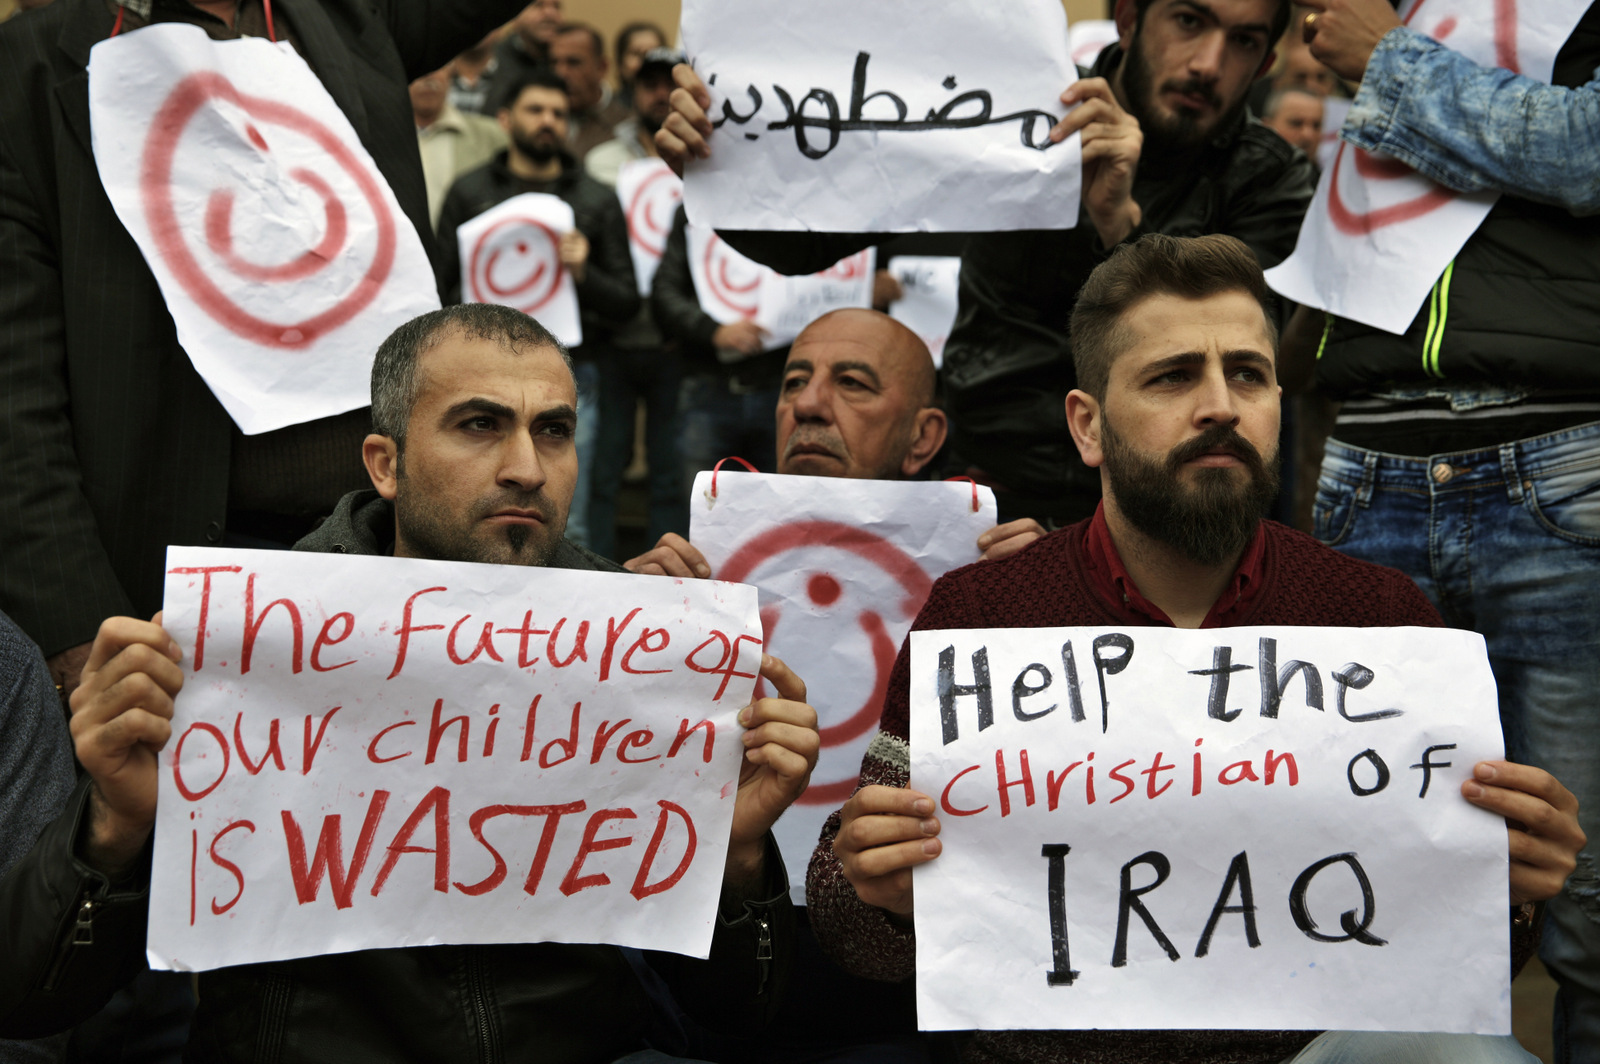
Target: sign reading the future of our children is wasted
[[1232, 828], [380, 752]]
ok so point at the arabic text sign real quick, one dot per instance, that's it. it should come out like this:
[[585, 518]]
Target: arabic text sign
[[280, 250], [380, 752], [511, 254], [882, 117], [1132, 816], [650, 193], [930, 287], [843, 566], [1378, 234], [734, 288]]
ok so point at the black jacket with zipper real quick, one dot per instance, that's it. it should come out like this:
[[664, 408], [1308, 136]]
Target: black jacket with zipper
[[69, 938]]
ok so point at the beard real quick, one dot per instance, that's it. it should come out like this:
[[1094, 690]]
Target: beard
[[541, 147], [432, 530], [1181, 132], [1208, 522]]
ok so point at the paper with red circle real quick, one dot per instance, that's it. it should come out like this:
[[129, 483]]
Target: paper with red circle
[[1378, 234], [282, 253], [843, 566], [510, 254], [650, 193]]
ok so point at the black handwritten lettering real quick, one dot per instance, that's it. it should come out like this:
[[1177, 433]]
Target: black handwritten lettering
[[1427, 765], [1359, 676], [1021, 688], [1378, 764], [1274, 681], [1238, 873], [1061, 973], [1069, 665], [1130, 901], [1110, 666], [1221, 671], [949, 691], [1353, 928]]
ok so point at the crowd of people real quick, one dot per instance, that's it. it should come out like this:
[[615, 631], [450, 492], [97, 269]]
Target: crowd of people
[[1449, 475]]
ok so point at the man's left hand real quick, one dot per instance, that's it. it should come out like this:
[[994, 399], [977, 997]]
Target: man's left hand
[[1541, 821], [1343, 33], [780, 750], [574, 252]]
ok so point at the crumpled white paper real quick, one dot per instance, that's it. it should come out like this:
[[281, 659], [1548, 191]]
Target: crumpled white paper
[[511, 254]]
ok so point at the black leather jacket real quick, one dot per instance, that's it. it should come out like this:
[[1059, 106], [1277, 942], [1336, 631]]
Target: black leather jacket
[[1008, 365], [69, 938]]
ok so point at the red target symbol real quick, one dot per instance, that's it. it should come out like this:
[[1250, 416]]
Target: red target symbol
[[824, 590], [1377, 169], [650, 212], [851, 269], [735, 282], [517, 263], [186, 100]]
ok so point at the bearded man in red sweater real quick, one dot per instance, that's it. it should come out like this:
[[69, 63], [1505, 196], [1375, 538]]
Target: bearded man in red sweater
[[1178, 409]]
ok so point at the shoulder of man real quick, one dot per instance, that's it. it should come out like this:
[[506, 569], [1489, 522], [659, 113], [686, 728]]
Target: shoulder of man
[[1041, 586], [1317, 585], [362, 523]]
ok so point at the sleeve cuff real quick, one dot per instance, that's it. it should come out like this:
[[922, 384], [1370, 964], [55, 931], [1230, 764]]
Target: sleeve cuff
[[1372, 113]]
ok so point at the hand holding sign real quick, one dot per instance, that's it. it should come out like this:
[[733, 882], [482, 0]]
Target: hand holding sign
[[683, 135], [121, 720], [1343, 33], [885, 832], [780, 750], [1112, 143], [1541, 822]]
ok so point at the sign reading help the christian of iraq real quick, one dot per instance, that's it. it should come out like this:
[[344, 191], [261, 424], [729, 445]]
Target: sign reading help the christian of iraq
[[843, 566], [380, 752], [1378, 234], [882, 117], [511, 254], [280, 249], [1232, 828]]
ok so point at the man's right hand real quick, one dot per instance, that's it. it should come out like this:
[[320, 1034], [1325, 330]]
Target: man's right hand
[[672, 556], [66, 668], [885, 833], [1112, 144], [121, 718], [683, 135], [745, 337]]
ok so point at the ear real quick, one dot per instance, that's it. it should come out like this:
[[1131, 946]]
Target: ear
[[1083, 420], [1127, 17], [927, 436], [382, 459], [504, 118]]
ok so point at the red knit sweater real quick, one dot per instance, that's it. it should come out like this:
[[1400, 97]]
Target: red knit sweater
[[1303, 583]]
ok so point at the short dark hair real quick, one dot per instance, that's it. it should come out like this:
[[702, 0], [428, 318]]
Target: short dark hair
[[625, 34], [1280, 19], [1157, 264], [596, 42], [395, 380], [538, 79]]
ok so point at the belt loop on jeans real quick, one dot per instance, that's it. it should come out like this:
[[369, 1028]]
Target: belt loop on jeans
[[1369, 478], [1508, 467]]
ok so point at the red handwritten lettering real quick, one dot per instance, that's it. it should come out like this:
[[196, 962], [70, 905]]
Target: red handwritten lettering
[[643, 643], [524, 633], [580, 650], [485, 643], [253, 623], [602, 736], [1284, 758], [372, 747], [273, 750], [436, 733], [944, 798], [177, 760], [727, 665], [325, 639], [329, 857], [613, 634], [684, 731], [204, 572], [436, 801], [636, 739], [406, 628], [640, 890], [573, 882], [547, 838], [1054, 783], [309, 747], [222, 862]]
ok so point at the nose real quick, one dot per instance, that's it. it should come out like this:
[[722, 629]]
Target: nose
[[812, 403], [1215, 403], [520, 465], [1205, 61]]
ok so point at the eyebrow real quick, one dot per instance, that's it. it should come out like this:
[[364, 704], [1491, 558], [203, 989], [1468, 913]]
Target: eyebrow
[[1243, 355], [854, 366], [479, 405], [1206, 10]]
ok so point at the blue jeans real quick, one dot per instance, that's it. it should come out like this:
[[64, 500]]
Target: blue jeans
[[1382, 1047], [719, 423], [629, 376], [587, 372], [1506, 542]]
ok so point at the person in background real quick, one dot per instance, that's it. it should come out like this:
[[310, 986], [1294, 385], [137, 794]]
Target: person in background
[[578, 56], [473, 77], [451, 141], [634, 42], [1296, 116], [595, 252], [525, 50]]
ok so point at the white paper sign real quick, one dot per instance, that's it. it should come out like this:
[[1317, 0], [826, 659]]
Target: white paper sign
[[1135, 818], [734, 288], [1090, 37], [280, 249], [380, 752], [882, 117], [843, 566], [1334, 110], [1378, 235], [511, 254], [930, 289], [650, 193]]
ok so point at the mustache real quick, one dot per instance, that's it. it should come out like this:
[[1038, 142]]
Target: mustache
[[1225, 437], [1205, 89], [535, 501], [814, 437]]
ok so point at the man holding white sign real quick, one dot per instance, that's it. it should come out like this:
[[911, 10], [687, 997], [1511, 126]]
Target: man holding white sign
[[1465, 452], [473, 461], [1175, 350]]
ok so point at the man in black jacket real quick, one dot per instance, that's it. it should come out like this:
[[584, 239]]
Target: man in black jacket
[[481, 403], [1167, 147], [595, 252]]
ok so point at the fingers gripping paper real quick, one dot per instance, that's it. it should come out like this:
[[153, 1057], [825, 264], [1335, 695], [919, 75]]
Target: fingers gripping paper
[[380, 752], [1378, 234], [882, 117], [511, 254], [843, 566], [1235, 828], [281, 252]]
